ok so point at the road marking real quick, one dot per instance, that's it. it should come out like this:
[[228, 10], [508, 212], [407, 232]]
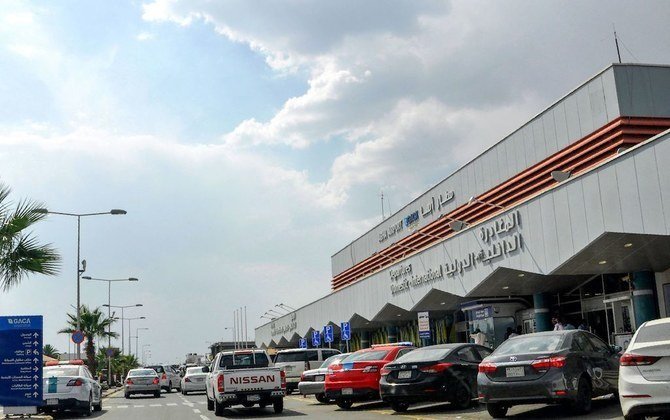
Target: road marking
[[196, 411], [201, 402], [171, 404], [155, 405], [204, 417], [138, 406], [121, 406]]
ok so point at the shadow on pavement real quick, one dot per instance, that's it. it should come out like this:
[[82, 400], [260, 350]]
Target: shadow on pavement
[[255, 412]]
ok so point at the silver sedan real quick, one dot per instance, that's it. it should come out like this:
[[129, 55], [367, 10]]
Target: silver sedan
[[142, 381], [193, 380], [312, 382]]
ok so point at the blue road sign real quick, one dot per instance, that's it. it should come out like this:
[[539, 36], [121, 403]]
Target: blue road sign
[[303, 343], [345, 328], [21, 361], [78, 337], [328, 334], [316, 338]]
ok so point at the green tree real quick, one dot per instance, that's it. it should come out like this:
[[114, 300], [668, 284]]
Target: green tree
[[20, 252], [50, 351], [94, 325], [121, 363]]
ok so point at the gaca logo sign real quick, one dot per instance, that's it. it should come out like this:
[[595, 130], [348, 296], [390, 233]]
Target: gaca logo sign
[[18, 321]]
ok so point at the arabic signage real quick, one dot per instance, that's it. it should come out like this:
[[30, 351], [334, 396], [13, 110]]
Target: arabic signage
[[435, 204], [424, 325], [482, 313], [286, 328], [20, 361], [499, 239]]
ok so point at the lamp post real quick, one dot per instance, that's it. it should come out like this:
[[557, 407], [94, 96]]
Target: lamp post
[[137, 340], [130, 349], [83, 268], [143, 350], [122, 307]]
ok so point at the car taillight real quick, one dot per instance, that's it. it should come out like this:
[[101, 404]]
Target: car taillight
[[156, 381], [548, 362], [302, 377], [370, 369], [436, 368], [75, 382], [630, 359], [164, 377], [385, 371], [487, 368], [187, 379], [219, 382], [129, 382], [283, 378]]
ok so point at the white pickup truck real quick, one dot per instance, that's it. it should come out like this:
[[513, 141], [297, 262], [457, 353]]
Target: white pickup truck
[[244, 377]]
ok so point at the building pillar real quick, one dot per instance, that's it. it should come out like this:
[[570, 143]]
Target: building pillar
[[393, 334], [365, 339], [542, 315], [643, 297]]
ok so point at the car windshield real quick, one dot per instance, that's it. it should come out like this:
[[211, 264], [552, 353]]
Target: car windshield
[[243, 360], [367, 355], [332, 359], [421, 355], [529, 344], [193, 370], [291, 356], [142, 372], [651, 333], [158, 369], [61, 371]]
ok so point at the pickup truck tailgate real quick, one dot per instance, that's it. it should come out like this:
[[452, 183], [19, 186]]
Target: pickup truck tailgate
[[262, 379]]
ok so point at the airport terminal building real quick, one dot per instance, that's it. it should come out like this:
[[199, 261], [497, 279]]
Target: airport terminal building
[[567, 216]]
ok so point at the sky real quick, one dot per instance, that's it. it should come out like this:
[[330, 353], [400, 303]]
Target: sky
[[250, 140]]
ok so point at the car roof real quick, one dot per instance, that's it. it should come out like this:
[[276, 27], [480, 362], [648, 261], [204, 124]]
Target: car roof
[[295, 350], [657, 322]]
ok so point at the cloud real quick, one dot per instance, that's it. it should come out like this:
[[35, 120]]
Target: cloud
[[145, 36]]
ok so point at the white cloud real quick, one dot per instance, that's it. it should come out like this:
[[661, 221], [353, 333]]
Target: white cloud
[[144, 36]]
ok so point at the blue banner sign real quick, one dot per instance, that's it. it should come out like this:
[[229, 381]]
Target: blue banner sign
[[316, 338], [303, 343], [20, 361], [345, 329], [328, 335], [481, 313]]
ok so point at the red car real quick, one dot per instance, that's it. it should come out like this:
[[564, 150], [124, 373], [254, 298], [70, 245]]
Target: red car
[[356, 378]]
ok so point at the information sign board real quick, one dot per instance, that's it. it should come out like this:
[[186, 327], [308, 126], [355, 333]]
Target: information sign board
[[316, 338], [21, 361], [303, 343], [345, 329], [328, 335], [424, 325]]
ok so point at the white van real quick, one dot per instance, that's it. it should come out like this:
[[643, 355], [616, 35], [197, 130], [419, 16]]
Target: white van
[[295, 361]]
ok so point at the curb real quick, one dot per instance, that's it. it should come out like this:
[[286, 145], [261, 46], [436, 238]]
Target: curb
[[110, 393]]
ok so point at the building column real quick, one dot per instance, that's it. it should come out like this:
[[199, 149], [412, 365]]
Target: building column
[[365, 339], [643, 297], [542, 315], [393, 333]]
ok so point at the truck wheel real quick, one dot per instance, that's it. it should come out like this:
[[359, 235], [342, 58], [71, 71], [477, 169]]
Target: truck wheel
[[345, 404], [322, 398], [218, 408], [278, 405], [210, 404]]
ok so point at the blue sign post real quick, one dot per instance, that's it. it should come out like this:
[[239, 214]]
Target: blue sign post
[[316, 338], [328, 335], [345, 333], [303, 343], [21, 361]]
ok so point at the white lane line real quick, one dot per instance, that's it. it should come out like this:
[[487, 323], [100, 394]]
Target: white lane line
[[196, 411], [172, 404], [121, 406], [201, 402], [138, 406], [155, 405], [204, 417]]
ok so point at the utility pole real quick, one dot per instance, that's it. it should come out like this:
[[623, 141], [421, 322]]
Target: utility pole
[[616, 42]]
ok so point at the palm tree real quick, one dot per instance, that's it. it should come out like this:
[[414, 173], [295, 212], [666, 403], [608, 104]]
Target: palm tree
[[50, 351], [94, 324], [20, 252]]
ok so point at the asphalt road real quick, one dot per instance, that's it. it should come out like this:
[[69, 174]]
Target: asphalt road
[[193, 407]]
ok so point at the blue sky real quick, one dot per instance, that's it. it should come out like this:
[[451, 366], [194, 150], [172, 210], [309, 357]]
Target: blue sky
[[249, 141]]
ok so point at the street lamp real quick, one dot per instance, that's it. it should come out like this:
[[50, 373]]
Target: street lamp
[[79, 271], [137, 339], [122, 307], [130, 350], [143, 350]]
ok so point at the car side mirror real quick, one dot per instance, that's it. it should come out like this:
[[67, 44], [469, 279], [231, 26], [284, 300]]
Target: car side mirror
[[205, 369], [616, 349]]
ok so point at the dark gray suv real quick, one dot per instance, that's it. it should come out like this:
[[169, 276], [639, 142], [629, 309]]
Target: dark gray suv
[[568, 367]]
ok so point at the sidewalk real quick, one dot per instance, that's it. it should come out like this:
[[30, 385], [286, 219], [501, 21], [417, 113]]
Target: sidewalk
[[105, 394]]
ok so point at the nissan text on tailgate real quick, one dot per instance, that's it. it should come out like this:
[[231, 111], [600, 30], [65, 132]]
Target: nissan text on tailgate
[[244, 377]]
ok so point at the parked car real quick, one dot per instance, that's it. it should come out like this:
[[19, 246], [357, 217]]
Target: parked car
[[356, 377], [193, 380], [70, 386], [169, 377], [244, 377], [445, 372], [295, 361], [313, 381], [570, 366], [644, 378], [142, 381]]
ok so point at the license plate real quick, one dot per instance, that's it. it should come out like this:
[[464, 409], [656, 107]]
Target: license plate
[[253, 397], [319, 378], [404, 374], [347, 391], [52, 401], [288, 368], [513, 372]]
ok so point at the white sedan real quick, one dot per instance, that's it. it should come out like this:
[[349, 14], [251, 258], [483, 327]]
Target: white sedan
[[644, 377], [70, 386], [194, 380]]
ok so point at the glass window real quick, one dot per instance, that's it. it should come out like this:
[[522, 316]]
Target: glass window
[[312, 355], [421, 355], [142, 372], [240, 360], [468, 354], [193, 370], [291, 356], [581, 343], [61, 371], [650, 333], [530, 344], [158, 369], [366, 355], [599, 345], [402, 353], [332, 359], [483, 352]]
